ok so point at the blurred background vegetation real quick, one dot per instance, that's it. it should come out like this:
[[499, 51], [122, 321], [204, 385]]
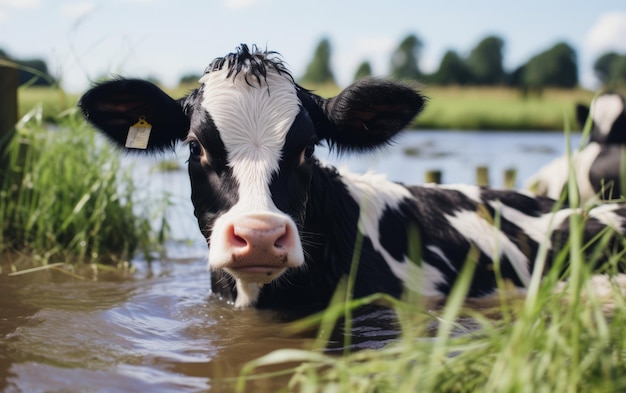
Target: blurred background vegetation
[[472, 91], [555, 67]]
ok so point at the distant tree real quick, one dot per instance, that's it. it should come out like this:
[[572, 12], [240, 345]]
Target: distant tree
[[453, 70], [319, 70], [405, 59], [363, 71], [189, 79], [556, 67], [618, 72], [33, 71], [516, 78], [602, 66], [485, 62], [610, 68]]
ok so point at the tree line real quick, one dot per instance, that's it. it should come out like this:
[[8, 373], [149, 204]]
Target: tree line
[[483, 66], [31, 72]]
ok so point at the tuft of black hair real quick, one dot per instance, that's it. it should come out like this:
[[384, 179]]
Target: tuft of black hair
[[253, 63]]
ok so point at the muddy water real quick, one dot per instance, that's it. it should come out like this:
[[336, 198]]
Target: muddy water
[[159, 330], [156, 330]]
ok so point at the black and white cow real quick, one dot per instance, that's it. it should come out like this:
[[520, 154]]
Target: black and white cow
[[598, 166], [281, 226]]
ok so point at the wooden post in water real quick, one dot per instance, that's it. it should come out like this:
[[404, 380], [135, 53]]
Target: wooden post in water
[[482, 176], [432, 176], [510, 176], [8, 103]]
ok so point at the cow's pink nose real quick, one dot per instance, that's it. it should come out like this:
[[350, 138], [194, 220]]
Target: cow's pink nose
[[244, 237], [259, 243]]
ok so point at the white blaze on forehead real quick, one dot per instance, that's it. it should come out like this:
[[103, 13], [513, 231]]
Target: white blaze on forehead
[[605, 110], [253, 122]]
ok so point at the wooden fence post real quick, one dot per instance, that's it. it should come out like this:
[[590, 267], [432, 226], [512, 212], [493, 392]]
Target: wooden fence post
[[482, 176], [432, 176], [8, 103], [510, 177]]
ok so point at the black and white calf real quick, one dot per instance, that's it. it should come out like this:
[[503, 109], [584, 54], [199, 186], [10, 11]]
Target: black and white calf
[[281, 226], [598, 166]]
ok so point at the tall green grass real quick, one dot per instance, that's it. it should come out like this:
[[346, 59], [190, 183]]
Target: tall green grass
[[64, 196], [561, 337], [566, 334]]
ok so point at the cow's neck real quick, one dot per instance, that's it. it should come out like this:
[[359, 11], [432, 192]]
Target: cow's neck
[[341, 202]]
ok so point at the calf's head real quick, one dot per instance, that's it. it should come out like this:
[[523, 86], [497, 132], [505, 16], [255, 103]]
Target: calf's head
[[251, 133], [608, 118]]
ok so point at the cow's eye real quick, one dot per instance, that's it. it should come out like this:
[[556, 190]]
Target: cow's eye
[[195, 149], [308, 151]]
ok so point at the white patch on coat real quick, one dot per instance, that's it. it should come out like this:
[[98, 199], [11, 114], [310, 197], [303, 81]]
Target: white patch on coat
[[490, 240], [439, 252], [374, 194], [247, 294], [539, 228], [253, 122], [551, 179], [605, 214], [605, 110]]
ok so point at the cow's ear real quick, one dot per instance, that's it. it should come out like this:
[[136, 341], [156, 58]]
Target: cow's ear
[[116, 106], [365, 115]]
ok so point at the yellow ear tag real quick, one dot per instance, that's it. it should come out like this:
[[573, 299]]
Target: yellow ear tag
[[139, 134]]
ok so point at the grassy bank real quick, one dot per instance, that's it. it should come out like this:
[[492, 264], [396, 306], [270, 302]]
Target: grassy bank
[[449, 107], [551, 342], [64, 196], [500, 109]]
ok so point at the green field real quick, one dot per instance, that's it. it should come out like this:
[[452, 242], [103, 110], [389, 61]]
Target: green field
[[493, 108], [500, 109], [448, 108]]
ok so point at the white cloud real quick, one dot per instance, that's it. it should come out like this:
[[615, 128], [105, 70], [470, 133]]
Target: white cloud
[[348, 54], [237, 4], [608, 33], [377, 50], [76, 10], [19, 4], [7, 6]]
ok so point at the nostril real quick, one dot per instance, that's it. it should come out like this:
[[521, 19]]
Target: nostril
[[235, 239], [284, 240], [239, 241]]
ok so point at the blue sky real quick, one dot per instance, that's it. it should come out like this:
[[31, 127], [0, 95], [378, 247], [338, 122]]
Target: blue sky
[[83, 39]]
